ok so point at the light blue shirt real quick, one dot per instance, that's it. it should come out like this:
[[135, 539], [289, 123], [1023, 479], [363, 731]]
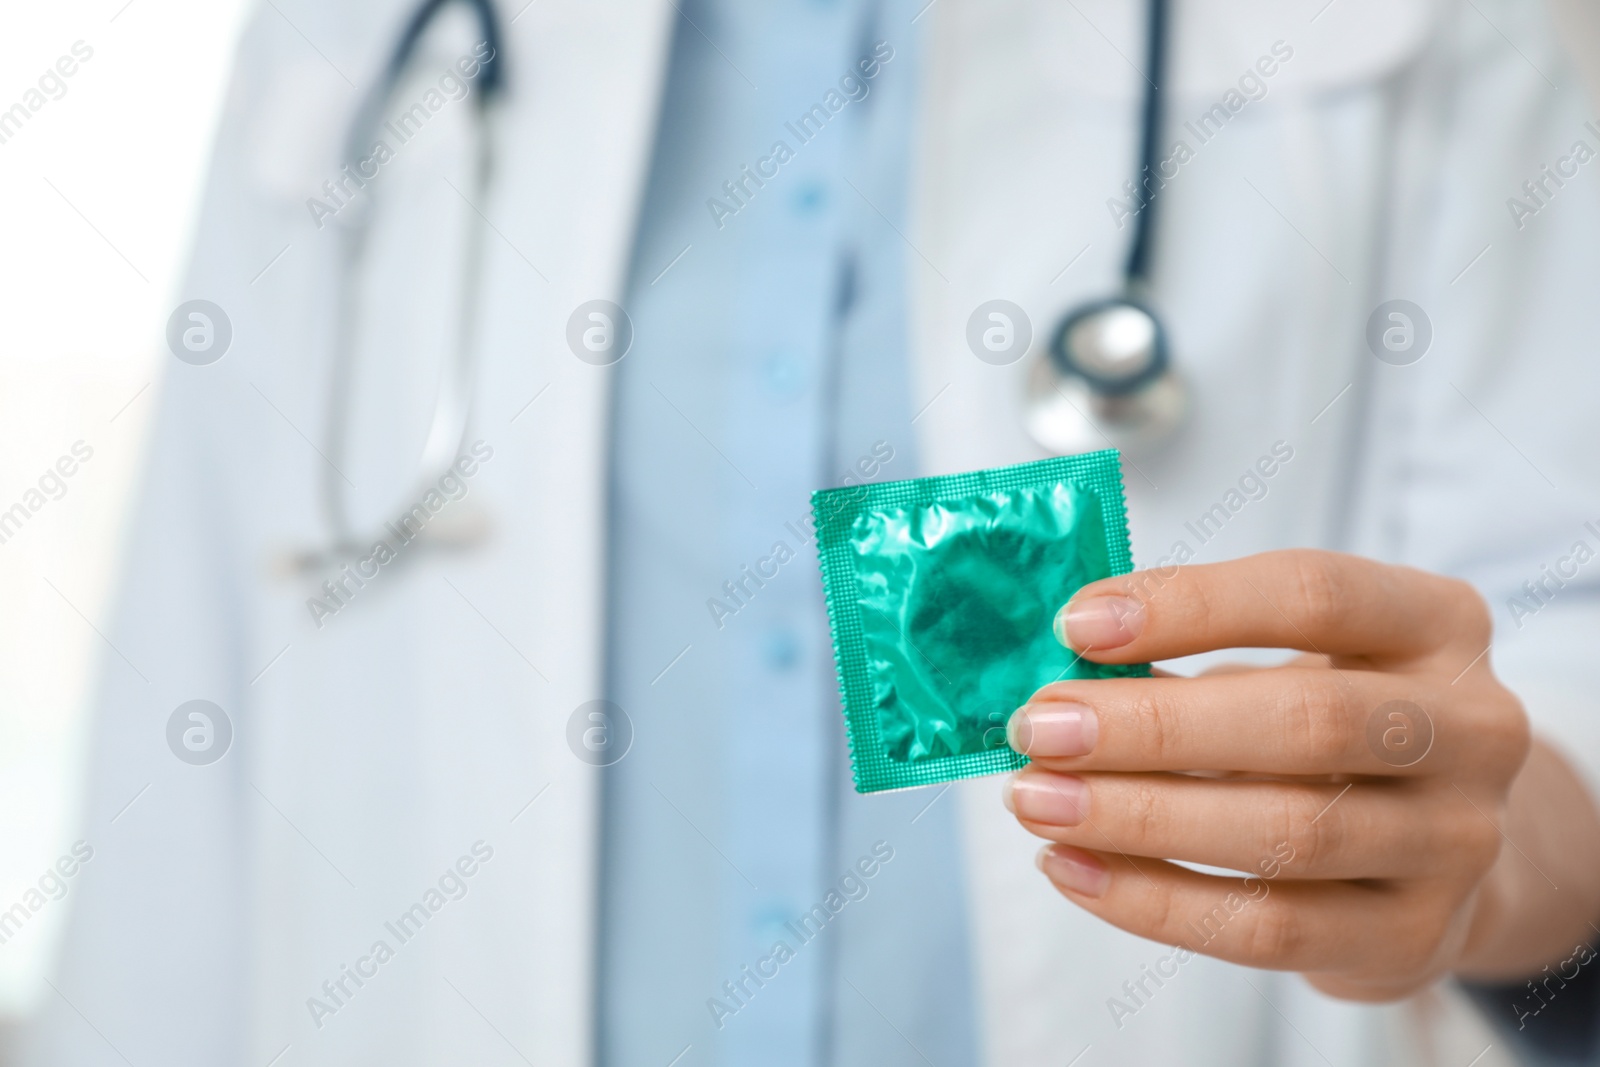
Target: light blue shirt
[[755, 910]]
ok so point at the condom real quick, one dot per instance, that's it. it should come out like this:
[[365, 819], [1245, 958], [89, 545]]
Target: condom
[[941, 595]]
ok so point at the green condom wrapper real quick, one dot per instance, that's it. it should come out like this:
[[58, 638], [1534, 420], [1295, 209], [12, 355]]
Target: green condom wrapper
[[941, 597]]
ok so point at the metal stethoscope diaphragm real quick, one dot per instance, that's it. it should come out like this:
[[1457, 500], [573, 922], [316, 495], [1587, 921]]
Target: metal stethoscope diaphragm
[[1107, 377]]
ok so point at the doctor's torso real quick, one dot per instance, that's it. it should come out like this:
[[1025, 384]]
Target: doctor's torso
[[375, 748]]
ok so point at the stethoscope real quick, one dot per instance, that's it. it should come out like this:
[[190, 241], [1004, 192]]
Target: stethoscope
[[1106, 377], [447, 432]]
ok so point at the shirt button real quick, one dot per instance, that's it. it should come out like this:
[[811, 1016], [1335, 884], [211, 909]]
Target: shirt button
[[780, 650], [809, 198], [767, 921], [782, 374]]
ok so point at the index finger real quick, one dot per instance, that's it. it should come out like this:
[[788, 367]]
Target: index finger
[[1315, 601]]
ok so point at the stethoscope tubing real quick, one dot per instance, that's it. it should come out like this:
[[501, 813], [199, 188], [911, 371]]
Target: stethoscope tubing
[[1152, 118], [452, 408]]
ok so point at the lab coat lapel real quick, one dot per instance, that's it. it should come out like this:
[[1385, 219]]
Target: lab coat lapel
[[1023, 138], [507, 644], [426, 721]]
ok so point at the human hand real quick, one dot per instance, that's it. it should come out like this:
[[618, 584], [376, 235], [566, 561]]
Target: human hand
[[1362, 786]]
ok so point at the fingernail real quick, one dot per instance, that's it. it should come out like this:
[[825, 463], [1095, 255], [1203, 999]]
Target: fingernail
[[1054, 799], [1099, 622], [1074, 870], [1053, 729]]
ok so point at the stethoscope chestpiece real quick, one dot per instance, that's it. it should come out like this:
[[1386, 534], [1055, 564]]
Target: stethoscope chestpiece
[[1116, 345], [1107, 381]]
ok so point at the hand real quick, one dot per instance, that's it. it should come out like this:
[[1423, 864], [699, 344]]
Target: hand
[[1362, 790]]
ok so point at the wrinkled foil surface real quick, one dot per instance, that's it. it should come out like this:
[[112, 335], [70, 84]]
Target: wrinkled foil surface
[[941, 595], [958, 598]]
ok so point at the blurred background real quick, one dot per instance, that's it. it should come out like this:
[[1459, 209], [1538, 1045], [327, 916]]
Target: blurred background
[[104, 184]]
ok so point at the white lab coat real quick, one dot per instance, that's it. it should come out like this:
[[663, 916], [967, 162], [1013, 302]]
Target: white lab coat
[[372, 753]]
